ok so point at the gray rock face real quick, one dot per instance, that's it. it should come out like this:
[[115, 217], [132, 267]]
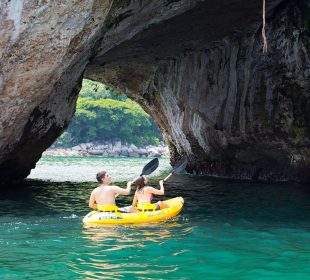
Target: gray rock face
[[196, 66], [44, 48], [234, 111]]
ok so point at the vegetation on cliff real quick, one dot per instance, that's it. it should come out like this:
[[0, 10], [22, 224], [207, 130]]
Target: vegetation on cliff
[[104, 115]]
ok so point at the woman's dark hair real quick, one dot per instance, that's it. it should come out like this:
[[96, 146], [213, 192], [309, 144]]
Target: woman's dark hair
[[100, 176], [139, 183]]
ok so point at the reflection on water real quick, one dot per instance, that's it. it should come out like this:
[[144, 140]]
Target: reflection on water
[[130, 251], [135, 234]]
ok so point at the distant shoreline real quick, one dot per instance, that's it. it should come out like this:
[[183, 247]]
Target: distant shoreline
[[112, 149]]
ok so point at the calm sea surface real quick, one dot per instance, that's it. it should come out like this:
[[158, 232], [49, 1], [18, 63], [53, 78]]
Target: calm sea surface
[[227, 230]]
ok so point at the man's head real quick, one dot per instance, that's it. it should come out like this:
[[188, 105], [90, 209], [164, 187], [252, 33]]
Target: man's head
[[103, 177]]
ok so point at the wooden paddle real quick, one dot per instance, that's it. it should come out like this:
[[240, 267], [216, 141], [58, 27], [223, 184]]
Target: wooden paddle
[[179, 166]]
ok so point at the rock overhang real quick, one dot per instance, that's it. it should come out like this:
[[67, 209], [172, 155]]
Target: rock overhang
[[195, 66]]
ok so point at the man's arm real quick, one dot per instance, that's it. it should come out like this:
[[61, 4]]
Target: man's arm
[[122, 191], [92, 201]]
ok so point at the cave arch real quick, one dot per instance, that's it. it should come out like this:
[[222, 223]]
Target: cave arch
[[197, 68]]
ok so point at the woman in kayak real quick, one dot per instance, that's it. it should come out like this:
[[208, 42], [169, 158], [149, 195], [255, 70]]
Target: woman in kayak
[[144, 193]]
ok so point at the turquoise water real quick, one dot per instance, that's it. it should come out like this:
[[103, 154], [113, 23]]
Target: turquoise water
[[227, 230]]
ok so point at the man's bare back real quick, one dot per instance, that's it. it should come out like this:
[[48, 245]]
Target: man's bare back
[[105, 194]]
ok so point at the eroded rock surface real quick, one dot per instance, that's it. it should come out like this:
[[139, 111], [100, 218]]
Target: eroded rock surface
[[44, 48], [196, 66]]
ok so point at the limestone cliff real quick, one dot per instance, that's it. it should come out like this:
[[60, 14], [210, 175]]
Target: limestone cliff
[[44, 48], [196, 66]]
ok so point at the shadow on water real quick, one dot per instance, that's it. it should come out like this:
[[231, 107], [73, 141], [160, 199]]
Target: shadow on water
[[35, 197], [232, 201], [205, 199]]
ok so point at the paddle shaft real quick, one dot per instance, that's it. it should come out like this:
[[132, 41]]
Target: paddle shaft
[[168, 176], [180, 165]]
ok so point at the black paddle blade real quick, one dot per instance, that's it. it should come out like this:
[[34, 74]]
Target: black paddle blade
[[180, 165], [150, 167]]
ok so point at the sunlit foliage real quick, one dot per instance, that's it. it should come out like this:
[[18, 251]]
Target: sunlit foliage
[[105, 115]]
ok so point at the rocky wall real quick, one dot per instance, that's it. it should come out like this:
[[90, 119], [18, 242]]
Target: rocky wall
[[196, 66]]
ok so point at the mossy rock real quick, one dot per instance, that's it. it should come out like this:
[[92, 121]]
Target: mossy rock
[[298, 133]]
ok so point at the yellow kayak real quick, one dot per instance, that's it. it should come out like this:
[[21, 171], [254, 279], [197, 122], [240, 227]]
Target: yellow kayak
[[115, 217]]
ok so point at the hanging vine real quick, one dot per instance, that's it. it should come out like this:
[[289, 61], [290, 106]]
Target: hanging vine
[[263, 29]]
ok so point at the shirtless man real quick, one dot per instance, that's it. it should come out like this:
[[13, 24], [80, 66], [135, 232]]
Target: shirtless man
[[105, 194]]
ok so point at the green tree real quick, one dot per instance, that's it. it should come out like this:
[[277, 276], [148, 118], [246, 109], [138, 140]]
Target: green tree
[[94, 91], [103, 115]]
